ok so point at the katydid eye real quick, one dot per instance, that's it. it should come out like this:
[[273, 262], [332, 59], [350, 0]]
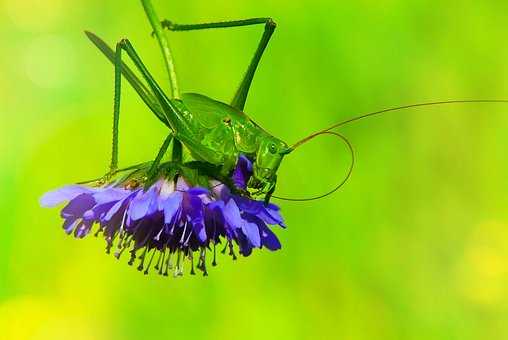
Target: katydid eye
[[273, 148]]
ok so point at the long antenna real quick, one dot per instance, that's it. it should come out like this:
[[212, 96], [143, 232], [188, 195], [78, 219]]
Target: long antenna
[[367, 115], [338, 186], [350, 147]]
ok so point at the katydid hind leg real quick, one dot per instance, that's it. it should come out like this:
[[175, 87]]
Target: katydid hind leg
[[243, 90], [172, 26], [240, 97], [167, 106]]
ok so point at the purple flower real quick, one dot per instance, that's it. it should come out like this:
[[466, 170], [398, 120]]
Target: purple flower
[[242, 172], [171, 219]]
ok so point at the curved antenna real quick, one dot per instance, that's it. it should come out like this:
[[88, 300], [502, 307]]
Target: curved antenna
[[350, 147], [367, 115], [346, 178]]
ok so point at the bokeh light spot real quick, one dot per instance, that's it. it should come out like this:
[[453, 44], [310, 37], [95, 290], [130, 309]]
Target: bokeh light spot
[[49, 62], [35, 15], [484, 271]]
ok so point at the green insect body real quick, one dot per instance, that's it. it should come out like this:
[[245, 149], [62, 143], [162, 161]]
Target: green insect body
[[217, 133], [212, 131]]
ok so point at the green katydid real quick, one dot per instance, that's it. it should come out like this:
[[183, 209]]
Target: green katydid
[[213, 132]]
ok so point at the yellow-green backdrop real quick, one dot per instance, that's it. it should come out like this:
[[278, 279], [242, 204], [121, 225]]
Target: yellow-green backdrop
[[415, 246]]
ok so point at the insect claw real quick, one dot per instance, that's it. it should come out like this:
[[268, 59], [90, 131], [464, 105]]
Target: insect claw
[[103, 180], [106, 178], [167, 24], [271, 23]]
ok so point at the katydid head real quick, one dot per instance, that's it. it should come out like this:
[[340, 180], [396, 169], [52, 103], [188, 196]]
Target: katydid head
[[268, 158]]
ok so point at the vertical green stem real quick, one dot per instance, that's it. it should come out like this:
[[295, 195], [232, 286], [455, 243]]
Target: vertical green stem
[[164, 45]]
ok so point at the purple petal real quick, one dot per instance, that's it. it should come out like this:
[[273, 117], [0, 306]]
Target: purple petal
[[215, 213], [268, 238], [88, 215], [252, 232], [198, 191], [100, 210], [70, 224], [216, 205], [248, 205], [83, 229], [242, 172], [118, 205], [167, 189], [232, 215], [194, 210], [200, 231], [171, 206], [110, 194], [141, 204], [67, 193], [244, 244], [114, 218], [181, 185], [78, 205], [111, 212], [271, 216]]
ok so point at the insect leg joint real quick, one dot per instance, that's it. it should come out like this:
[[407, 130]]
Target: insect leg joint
[[270, 23]]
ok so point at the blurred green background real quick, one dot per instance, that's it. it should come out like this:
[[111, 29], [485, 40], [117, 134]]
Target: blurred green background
[[415, 246]]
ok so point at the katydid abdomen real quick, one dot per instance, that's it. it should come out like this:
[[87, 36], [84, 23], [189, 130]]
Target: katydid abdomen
[[216, 124]]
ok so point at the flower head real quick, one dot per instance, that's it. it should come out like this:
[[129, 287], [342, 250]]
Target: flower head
[[171, 219]]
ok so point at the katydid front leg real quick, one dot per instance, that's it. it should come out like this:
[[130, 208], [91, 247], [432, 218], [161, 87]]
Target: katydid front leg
[[270, 189]]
